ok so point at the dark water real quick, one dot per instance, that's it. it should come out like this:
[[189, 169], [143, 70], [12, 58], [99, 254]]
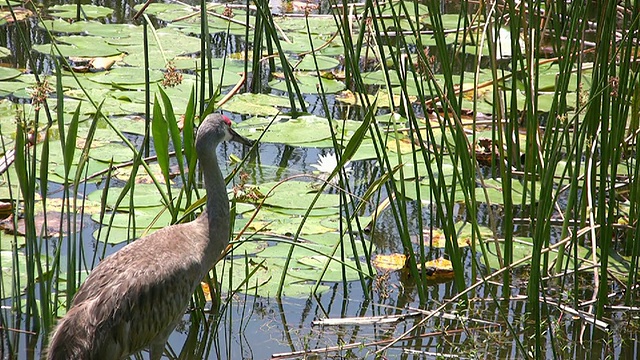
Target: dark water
[[256, 328]]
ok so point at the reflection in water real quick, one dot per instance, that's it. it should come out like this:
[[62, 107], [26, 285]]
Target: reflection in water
[[253, 327]]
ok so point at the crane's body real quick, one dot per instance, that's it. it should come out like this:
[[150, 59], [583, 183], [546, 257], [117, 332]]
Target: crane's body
[[134, 298]]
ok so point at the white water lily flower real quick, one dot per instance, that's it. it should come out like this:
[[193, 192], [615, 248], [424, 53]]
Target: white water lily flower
[[327, 163]]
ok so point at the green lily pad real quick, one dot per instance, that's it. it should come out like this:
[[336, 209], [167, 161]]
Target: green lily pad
[[167, 11], [10, 87], [297, 195], [317, 25], [61, 26], [308, 63], [309, 84], [265, 280], [335, 240], [285, 130], [12, 274], [8, 74], [256, 104], [249, 247], [288, 225], [79, 46], [124, 76], [144, 195], [151, 217], [281, 250], [129, 125], [299, 42], [334, 269], [90, 168], [7, 241], [69, 11], [118, 153], [300, 212]]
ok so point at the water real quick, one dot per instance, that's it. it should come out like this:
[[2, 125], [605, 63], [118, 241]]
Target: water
[[251, 327]]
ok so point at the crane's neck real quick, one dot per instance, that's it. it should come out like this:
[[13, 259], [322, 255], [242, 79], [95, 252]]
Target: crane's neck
[[216, 214]]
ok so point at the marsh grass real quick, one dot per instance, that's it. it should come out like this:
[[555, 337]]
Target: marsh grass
[[576, 161]]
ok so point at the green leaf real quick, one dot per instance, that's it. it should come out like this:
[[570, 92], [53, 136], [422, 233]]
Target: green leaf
[[8, 74], [144, 195], [256, 104], [12, 274], [160, 139], [286, 130], [324, 63], [297, 195], [172, 122], [152, 217], [70, 141], [69, 11]]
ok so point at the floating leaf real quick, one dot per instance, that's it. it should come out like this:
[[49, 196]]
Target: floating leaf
[[317, 25], [8, 74], [4, 52], [90, 168], [11, 272], [286, 130], [440, 269], [118, 153], [69, 11], [333, 272], [79, 46], [309, 84], [122, 77], [151, 217], [144, 195], [437, 238], [390, 262], [308, 63], [264, 278], [256, 104], [297, 195]]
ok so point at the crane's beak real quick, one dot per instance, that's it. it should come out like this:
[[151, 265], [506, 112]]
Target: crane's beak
[[239, 138]]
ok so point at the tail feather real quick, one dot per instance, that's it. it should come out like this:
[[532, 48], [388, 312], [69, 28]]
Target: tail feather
[[71, 339]]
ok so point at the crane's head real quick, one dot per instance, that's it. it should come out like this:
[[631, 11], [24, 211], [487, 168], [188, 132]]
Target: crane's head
[[216, 128]]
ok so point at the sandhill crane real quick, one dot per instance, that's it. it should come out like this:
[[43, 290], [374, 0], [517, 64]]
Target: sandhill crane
[[134, 298]]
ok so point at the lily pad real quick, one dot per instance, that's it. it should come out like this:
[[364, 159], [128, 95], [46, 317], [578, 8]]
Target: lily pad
[[125, 76], [297, 195], [308, 63], [8, 74], [79, 46], [317, 25], [118, 153], [61, 26], [166, 11], [309, 84], [144, 195], [10, 272], [152, 217], [288, 225], [300, 131], [69, 11], [91, 168], [256, 104], [334, 269], [265, 278]]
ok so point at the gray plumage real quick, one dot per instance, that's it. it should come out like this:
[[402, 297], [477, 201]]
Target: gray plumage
[[134, 298]]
